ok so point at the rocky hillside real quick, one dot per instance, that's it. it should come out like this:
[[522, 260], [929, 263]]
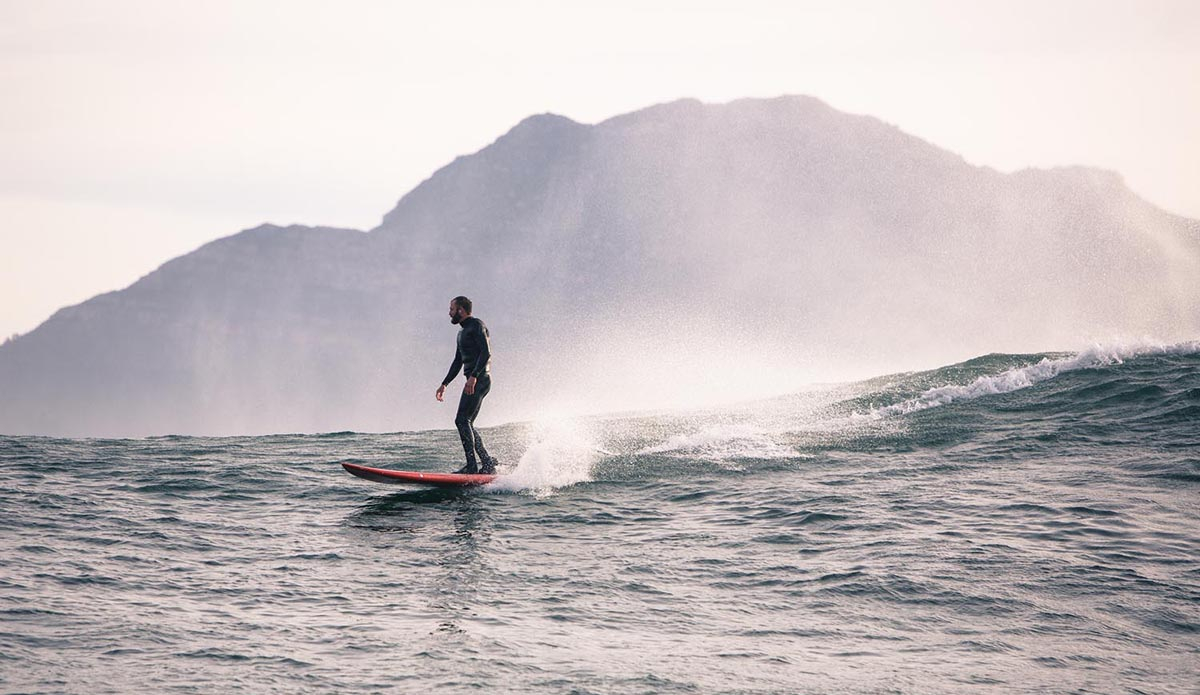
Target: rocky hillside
[[685, 253]]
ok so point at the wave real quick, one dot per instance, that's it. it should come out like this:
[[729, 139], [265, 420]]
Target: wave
[[1095, 357], [1145, 395], [1116, 388]]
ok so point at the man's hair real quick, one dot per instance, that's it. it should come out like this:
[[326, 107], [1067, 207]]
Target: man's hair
[[463, 302]]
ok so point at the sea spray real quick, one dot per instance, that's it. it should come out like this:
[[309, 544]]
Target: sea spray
[[720, 442], [560, 453], [783, 428]]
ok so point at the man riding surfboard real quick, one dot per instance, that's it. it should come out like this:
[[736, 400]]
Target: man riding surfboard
[[473, 356]]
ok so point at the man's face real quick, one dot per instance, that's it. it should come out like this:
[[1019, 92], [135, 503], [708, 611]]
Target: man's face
[[456, 314]]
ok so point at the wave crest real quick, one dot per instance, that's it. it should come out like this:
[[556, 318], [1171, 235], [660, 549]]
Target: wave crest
[[1094, 357]]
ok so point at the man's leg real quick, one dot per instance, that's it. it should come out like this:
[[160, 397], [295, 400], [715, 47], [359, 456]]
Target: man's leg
[[468, 406], [486, 463], [468, 410]]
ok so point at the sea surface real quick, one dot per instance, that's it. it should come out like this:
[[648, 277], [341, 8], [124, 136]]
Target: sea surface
[[1011, 524]]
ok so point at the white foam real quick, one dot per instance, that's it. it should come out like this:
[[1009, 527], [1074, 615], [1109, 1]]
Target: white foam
[[1023, 377], [722, 442], [560, 453]]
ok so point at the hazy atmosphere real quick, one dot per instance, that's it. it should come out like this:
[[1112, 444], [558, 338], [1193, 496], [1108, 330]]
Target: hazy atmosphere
[[134, 132], [827, 347]]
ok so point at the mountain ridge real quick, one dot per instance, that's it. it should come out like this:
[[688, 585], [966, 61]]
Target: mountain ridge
[[882, 249]]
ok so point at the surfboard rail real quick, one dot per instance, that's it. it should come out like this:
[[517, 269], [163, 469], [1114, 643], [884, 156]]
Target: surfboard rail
[[387, 475]]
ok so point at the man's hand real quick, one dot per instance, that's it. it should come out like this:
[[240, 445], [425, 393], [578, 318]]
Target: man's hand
[[440, 392], [470, 388]]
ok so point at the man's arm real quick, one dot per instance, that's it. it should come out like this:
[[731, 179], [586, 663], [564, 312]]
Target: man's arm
[[454, 369]]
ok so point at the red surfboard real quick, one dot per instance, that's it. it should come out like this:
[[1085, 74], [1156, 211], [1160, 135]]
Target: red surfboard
[[384, 475]]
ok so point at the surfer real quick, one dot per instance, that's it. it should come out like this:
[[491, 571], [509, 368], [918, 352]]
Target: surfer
[[473, 356]]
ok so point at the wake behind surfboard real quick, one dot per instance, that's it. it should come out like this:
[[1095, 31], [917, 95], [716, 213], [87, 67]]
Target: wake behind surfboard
[[384, 475]]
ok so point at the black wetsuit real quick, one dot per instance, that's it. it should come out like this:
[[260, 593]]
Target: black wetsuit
[[473, 356]]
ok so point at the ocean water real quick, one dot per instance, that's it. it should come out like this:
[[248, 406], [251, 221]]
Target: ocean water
[[1011, 524]]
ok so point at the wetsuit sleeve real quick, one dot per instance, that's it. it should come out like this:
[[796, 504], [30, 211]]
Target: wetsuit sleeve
[[485, 353], [454, 367]]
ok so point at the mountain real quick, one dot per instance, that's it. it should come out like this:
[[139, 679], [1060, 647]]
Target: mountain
[[682, 254]]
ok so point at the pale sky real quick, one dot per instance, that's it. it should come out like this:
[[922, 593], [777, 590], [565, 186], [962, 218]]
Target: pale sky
[[134, 131]]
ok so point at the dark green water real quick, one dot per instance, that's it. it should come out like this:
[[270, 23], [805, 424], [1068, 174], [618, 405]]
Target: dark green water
[[1017, 523]]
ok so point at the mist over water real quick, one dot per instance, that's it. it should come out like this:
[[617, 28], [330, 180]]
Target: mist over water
[[684, 255], [1014, 523]]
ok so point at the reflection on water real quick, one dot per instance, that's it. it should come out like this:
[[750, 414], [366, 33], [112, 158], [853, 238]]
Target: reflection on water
[[447, 529], [467, 572]]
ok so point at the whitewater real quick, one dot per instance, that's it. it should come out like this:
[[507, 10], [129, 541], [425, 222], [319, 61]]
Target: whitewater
[[1008, 524]]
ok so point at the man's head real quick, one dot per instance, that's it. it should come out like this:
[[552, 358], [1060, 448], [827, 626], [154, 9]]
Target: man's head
[[460, 308]]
